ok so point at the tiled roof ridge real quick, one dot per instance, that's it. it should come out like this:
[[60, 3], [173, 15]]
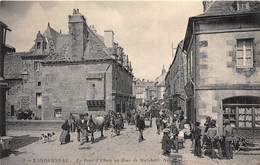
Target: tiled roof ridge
[[223, 7]]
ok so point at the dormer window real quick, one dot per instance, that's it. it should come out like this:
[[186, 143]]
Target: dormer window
[[44, 45], [243, 5], [38, 45]]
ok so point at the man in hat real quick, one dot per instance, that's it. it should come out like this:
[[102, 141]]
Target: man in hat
[[141, 126], [212, 134], [166, 142], [78, 125], [197, 137], [228, 136], [82, 128]]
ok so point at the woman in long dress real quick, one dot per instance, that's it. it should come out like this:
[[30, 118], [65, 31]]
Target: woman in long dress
[[65, 134]]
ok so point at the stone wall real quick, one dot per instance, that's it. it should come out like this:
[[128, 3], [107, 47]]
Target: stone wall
[[34, 125], [22, 93], [69, 86], [217, 76], [218, 66]]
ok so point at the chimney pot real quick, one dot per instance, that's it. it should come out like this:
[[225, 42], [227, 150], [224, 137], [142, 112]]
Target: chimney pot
[[109, 38], [206, 4]]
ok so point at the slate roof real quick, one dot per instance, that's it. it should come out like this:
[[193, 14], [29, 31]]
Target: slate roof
[[4, 25], [50, 33], [95, 49], [219, 8], [13, 66]]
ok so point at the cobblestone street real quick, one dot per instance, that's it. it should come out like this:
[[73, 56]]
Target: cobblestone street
[[121, 150]]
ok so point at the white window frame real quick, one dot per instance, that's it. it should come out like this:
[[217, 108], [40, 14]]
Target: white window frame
[[37, 66], [39, 100], [58, 113], [244, 57], [243, 5]]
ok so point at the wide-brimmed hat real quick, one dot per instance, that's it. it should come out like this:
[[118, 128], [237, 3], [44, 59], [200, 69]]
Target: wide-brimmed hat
[[166, 130]]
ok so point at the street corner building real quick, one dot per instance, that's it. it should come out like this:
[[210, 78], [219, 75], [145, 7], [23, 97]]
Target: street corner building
[[215, 71], [77, 72], [223, 64]]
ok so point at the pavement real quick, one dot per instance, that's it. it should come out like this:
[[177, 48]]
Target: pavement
[[111, 150]]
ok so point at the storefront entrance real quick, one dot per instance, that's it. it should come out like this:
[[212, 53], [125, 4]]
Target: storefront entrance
[[244, 115]]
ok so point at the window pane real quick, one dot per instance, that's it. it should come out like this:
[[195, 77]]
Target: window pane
[[239, 62], [248, 53], [239, 54], [249, 62], [248, 44], [239, 44]]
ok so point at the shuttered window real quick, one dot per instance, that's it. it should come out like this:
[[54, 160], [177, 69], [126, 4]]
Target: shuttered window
[[244, 53]]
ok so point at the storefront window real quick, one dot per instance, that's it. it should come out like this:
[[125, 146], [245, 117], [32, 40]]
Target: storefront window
[[242, 111]]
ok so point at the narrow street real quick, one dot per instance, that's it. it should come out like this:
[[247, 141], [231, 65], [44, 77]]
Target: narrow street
[[121, 150]]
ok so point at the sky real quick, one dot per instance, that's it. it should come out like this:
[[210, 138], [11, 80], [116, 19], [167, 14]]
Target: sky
[[146, 30]]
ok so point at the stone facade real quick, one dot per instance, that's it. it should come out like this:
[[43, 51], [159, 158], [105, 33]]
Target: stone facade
[[175, 95], [70, 73], [145, 91], [159, 83], [223, 56]]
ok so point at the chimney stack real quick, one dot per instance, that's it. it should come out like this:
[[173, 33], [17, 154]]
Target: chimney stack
[[109, 38], [206, 4]]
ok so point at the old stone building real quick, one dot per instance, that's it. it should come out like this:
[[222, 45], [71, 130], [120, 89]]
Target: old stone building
[[145, 91], [175, 95], [223, 63], [77, 72], [159, 83]]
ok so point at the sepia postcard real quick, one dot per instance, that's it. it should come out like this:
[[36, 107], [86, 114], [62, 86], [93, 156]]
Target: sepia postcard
[[130, 82]]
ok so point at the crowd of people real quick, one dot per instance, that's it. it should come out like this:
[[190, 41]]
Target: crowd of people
[[205, 139], [172, 126], [84, 126], [211, 142], [175, 127]]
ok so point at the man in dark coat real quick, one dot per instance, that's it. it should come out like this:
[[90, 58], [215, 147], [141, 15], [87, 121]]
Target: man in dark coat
[[197, 137], [158, 122], [78, 124], [65, 135], [212, 134], [141, 126], [82, 128], [228, 135], [137, 117]]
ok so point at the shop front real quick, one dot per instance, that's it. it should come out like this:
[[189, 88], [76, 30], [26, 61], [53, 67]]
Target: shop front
[[244, 115]]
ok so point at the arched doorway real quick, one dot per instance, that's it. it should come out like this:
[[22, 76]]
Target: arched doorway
[[244, 115]]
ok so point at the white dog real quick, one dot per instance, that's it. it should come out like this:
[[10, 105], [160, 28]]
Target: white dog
[[47, 137]]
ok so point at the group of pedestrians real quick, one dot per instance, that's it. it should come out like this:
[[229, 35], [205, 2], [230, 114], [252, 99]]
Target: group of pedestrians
[[210, 140], [171, 131], [72, 125]]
